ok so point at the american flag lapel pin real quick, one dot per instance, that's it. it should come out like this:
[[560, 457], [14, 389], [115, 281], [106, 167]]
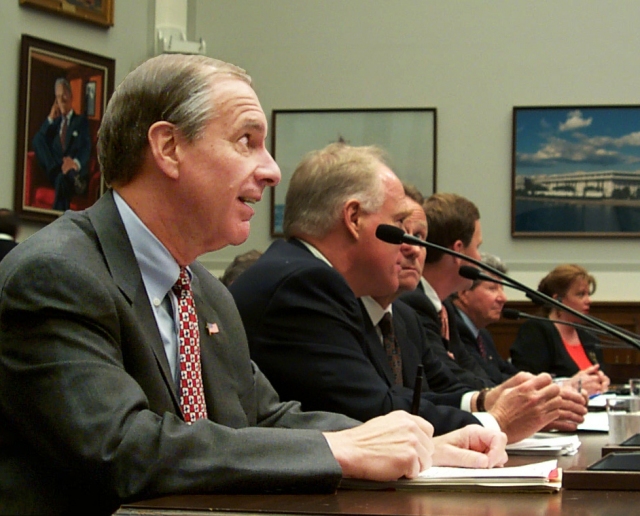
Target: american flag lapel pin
[[212, 328]]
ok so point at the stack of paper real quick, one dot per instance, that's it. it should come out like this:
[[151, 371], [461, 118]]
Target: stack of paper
[[595, 422], [541, 476], [546, 444]]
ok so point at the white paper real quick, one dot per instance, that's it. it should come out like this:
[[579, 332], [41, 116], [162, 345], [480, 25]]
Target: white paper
[[540, 470]]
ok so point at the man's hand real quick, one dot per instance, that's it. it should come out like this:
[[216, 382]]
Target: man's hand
[[495, 393], [470, 447], [384, 448], [572, 410], [528, 407], [55, 111], [68, 164]]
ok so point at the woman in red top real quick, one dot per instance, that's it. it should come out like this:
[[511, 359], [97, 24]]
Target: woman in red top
[[558, 348]]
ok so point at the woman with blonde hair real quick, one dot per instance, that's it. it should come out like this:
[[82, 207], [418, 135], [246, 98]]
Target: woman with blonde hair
[[555, 347]]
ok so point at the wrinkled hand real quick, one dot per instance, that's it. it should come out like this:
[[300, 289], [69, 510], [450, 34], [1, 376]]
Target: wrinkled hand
[[55, 111], [494, 394], [572, 410], [528, 407], [384, 448], [594, 381], [471, 447]]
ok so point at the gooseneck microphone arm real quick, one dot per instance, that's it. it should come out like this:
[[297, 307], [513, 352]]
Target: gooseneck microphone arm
[[395, 235], [510, 313]]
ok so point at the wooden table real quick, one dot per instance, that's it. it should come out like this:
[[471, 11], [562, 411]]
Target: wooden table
[[410, 503]]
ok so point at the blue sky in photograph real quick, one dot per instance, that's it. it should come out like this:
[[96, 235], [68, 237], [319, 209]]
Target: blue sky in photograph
[[570, 139]]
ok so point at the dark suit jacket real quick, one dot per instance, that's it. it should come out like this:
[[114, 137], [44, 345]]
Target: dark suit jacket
[[49, 150], [89, 415], [307, 332], [464, 367], [496, 367], [538, 348], [6, 246]]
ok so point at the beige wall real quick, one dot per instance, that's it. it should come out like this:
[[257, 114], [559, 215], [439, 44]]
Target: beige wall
[[129, 42], [473, 60]]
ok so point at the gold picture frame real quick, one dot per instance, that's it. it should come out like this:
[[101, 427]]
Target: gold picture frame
[[99, 12], [90, 78]]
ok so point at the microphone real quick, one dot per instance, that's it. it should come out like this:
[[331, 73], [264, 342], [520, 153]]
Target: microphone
[[510, 313], [395, 235], [468, 272]]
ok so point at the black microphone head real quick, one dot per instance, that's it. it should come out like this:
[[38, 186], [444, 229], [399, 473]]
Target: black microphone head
[[389, 234], [469, 272], [510, 313]]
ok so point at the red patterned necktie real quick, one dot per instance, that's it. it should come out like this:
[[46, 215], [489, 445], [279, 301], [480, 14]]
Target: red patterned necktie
[[391, 347], [192, 400]]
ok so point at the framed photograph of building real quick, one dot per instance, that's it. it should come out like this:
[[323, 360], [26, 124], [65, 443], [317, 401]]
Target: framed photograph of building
[[63, 94], [99, 12], [408, 136], [576, 171]]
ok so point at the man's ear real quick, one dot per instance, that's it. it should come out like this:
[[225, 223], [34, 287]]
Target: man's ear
[[352, 217], [163, 143], [458, 247]]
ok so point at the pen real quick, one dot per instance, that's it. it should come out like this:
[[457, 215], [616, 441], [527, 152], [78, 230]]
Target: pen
[[417, 392], [579, 385]]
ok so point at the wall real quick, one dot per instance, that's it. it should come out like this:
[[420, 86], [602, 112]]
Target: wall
[[129, 42], [473, 61]]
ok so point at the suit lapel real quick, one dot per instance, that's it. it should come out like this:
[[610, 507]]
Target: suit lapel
[[124, 269]]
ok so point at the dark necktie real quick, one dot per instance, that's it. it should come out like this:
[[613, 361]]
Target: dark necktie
[[192, 400], [391, 347], [481, 346], [63, 132]]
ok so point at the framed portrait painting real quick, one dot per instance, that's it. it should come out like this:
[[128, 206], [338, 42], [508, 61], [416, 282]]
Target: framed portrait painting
[[99, 12], [576, 171], [408, 137], [62, 97]]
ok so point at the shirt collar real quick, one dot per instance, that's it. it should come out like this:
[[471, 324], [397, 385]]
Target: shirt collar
[[373, 308], [159, 269], [474, 329], [431, 294], [315, 252]]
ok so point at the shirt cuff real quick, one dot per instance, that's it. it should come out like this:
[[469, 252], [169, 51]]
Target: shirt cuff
[[465, 402], [487, 420]]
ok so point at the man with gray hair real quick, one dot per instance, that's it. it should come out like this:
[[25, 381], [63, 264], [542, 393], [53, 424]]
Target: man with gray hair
[[476, 307], [63, 147], [299, 301], [124, 367]]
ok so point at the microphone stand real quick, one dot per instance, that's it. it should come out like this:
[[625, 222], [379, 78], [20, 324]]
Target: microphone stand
[[396, 235]]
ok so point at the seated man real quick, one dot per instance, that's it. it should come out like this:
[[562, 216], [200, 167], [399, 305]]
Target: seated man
[[454, 223], [476, 308], [481, 305], [124, 368], [299, 301]]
